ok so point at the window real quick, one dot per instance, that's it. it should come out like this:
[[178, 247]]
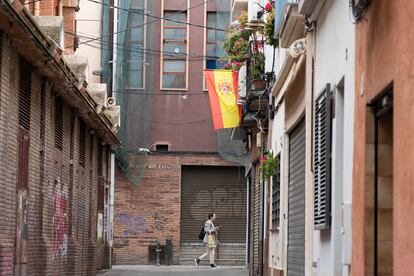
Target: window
[[212, 42], [135, 53], [215, 41], [25, 94], [82, 143], [276, 195], [322, 160], [174, 65], [59, 123]]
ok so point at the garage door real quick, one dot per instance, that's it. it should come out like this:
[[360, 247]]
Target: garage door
[[213, 189], [296, 218]]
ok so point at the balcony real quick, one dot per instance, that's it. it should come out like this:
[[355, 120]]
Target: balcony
[[311, 8], [237, 7], [289, 24]]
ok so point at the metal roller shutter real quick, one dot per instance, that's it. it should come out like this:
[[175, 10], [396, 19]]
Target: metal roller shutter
[[213, 189], [296, 201], [257, 231]]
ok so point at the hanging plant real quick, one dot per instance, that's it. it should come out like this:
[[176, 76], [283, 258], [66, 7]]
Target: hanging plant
[[237, 42], [269, 26], [268, 165]]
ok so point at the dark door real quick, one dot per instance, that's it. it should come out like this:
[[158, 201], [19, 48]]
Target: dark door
[[22, 214]]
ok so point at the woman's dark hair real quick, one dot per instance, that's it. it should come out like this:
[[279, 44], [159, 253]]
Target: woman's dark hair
[[210, 215]]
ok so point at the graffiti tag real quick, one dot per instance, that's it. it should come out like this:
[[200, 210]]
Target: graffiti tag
[[60, 220]]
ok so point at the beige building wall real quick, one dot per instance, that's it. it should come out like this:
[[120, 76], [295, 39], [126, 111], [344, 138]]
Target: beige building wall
[[88, 26]]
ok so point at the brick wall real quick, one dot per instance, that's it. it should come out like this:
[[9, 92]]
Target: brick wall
[[151, 210], [62, 194]]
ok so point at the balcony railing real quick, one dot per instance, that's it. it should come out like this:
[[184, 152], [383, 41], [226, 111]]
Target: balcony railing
[[281, 8]]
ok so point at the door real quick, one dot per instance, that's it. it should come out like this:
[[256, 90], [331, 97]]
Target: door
[[296, 201], [22, 213]]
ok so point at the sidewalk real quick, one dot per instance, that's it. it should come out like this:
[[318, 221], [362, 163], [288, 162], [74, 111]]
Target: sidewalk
[[150, 270]]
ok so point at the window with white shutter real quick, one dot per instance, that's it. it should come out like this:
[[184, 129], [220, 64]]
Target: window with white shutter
[[322, 160]]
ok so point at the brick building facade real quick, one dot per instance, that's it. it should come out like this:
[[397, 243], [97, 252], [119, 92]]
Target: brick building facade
[[167, 193], [55, 156], [152, 210]]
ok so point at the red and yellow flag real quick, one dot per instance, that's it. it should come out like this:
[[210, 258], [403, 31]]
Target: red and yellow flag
[[222, 90]]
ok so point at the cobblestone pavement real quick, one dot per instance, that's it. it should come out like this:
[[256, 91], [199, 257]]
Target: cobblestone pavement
[[175, 271]]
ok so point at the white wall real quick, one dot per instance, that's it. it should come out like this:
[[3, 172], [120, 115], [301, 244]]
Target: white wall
[[277, 243], [88, 24], [334, 61]]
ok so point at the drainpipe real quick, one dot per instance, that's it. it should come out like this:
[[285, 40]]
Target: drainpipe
[[37, 8], [60, 7]]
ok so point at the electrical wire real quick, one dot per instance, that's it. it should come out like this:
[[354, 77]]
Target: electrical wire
[[158, 18], [139, 50]]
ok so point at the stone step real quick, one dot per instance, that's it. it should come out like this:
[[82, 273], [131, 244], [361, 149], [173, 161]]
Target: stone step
[[222, 262], [220, 250]]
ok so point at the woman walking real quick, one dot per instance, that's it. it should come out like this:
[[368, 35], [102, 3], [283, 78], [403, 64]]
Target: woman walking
[[210, 239]]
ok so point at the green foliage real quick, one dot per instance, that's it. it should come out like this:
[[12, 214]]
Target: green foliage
[[257, 65], [269, 165], [237, 42], [269, 28]]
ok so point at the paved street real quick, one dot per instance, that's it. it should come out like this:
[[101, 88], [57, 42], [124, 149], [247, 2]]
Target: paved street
[[175, 271]]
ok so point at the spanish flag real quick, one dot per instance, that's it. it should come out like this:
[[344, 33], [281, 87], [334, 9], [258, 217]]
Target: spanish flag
[[222, 90]]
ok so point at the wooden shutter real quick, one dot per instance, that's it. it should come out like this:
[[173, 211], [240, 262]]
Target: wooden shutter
[[25, 94], [322, 160], [59, 123], [82, 143]]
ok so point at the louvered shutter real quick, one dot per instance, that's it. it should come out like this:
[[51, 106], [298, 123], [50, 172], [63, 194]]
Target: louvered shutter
[[25, 94], [322, 160], [59, 123]]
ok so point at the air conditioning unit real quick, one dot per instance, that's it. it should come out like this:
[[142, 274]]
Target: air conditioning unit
[[98, 92], [254, 7], [259, 140], [113, 113], [110, 102], [242, 82]]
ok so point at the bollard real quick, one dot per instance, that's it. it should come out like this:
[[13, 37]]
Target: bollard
[[158, 250], [169, 251]]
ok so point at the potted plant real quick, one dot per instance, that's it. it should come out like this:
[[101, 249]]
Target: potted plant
[[257, 69], [269, 165]]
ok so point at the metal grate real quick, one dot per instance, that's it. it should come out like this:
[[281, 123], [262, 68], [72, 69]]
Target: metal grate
[[82, 143], [322, 160], [276, 195], [59, 123], [25, 94]]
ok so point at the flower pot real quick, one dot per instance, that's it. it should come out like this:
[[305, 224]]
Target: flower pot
[[259, 84]]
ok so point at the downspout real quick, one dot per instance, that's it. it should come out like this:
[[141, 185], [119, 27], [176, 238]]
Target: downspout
[[60, 8], [37, 8]]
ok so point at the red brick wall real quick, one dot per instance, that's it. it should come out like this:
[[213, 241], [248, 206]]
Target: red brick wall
[[151, 210], [77, 192]]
